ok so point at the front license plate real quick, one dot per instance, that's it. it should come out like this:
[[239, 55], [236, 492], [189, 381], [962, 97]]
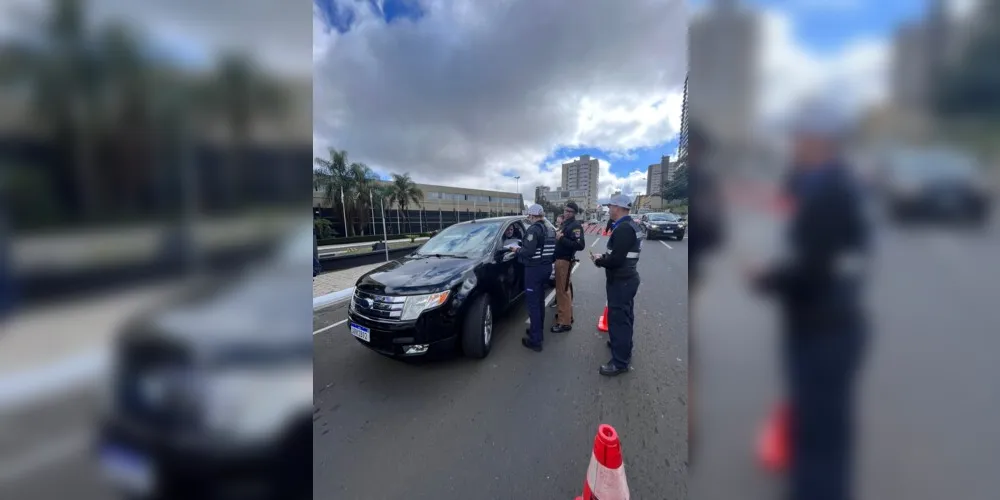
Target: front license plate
[[128, 470], [361, 332], [668, 230]]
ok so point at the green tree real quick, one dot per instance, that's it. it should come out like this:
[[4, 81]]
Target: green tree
[[331, 179], [63, 77], [238, 94], [402, 191], [966, 95]]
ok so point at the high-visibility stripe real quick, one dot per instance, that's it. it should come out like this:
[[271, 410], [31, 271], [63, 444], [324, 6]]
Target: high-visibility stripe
[[632, 255], [605, 483]]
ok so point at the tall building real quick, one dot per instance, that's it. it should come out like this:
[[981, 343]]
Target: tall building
[[723, 49], [541, 193], [657, 174], [581, 176], [682, 138]]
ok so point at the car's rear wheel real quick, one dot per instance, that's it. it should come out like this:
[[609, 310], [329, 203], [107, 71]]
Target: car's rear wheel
[[477, 328]]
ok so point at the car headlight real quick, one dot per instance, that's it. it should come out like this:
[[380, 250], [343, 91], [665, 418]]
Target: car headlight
[[255, 403], [417, 304]]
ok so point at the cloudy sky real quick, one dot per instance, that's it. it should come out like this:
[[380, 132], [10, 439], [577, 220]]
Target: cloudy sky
[[472, 93]]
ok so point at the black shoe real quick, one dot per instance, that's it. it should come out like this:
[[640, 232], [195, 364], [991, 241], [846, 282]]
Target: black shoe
[[560, 328], [527, 343], [609, 345], [611, 370]]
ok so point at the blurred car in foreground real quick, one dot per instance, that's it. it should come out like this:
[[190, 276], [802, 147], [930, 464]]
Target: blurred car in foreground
[[445, 295], [663, 225], [934, 185], [211, 395]]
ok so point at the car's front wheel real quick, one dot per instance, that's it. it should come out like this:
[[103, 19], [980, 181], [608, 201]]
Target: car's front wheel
[[680, 236], [477, 328]]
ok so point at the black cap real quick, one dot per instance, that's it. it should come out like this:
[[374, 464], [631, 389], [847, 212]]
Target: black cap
[[573, 206]]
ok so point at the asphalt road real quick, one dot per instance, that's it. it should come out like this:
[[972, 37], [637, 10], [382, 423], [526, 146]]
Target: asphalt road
[[517, 424], [928, 402]]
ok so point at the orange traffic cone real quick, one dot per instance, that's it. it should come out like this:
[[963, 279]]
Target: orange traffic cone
[[602, 322], [606, 473], [774, 446]]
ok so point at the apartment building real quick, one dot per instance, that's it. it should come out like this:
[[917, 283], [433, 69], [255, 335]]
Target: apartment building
[[581, 176]]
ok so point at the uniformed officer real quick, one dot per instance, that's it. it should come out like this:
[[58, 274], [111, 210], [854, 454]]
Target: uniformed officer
[[620, 266], [536, 254], [818, 285], [569, 240]]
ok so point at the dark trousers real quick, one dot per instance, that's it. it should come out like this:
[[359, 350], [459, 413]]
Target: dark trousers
[[535, 278], [822, 371], [621, 302]]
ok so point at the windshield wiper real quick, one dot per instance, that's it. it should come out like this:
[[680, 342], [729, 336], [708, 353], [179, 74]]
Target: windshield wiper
[[446, 255]]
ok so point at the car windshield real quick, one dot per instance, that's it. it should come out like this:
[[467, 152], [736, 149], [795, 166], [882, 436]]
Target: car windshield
[[927, 165], [466, 240], [663, 217]]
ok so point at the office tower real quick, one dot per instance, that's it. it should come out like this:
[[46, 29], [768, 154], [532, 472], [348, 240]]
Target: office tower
[[580, 177]]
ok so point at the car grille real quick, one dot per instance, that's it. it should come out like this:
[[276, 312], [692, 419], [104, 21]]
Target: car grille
[[378, 307], [153, 384]]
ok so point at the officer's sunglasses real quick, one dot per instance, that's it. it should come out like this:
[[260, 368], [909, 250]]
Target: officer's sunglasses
[[569, 211]]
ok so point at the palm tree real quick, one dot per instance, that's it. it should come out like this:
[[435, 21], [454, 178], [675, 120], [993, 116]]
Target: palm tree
[[331, 178], [63, 76], [239, 95], [402, 191], [361, 180]]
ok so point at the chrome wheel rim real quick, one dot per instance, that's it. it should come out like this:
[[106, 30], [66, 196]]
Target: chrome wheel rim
[[487, 325]]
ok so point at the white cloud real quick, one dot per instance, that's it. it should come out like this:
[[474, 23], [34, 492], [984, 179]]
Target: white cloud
[[856, 74], [478, 89]]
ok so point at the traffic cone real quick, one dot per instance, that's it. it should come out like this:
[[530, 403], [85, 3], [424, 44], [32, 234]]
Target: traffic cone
[[774, 443], [606, 473], [602, 322]]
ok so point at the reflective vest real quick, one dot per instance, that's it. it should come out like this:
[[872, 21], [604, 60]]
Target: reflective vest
[[546, 249]]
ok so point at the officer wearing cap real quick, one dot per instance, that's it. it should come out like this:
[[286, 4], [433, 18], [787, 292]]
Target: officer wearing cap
[[620, 265], [569, 240], [537, 255], [818, 285]]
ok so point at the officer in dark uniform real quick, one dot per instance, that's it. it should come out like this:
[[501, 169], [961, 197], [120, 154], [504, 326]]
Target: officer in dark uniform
[[569, 240], [818, 284], [537, 255], [620, 266]]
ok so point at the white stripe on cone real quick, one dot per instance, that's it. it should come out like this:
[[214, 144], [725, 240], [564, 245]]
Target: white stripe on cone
[[605, 483]]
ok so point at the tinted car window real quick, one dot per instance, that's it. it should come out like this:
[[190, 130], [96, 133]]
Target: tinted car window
[[462, 239]]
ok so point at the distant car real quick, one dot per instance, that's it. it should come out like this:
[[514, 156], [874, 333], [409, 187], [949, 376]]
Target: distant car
[[663, 225], [934, 184], [443, 297]]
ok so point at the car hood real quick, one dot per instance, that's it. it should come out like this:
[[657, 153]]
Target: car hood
[[264, 308], [416, 274]]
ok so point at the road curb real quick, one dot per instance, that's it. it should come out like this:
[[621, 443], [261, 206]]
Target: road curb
[[332, 298], [28, 386]]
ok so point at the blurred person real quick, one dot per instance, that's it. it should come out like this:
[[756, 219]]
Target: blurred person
[[620, 265], [569, 240], [818, 285], [537, 255], [704, 235]]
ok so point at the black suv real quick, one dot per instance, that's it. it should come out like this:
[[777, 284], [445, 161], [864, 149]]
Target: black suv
[[211, 395], [663, 224], [443, 296]]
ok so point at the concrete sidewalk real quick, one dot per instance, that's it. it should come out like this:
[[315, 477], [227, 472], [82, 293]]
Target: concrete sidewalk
[[87, 248], [63, 346]]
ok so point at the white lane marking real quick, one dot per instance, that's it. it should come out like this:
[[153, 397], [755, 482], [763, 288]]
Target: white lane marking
[[552, 294], [666, 245], [37, 459], [595, 242], [325, 328], [23, 388]]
